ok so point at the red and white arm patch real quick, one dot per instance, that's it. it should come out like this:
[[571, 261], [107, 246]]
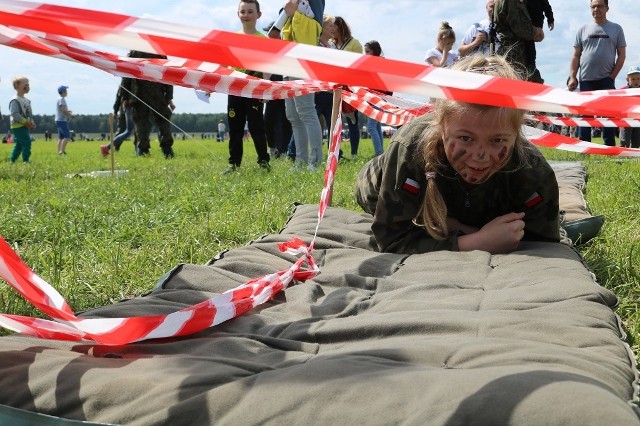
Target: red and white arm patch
[[533, 200], [411, 186]]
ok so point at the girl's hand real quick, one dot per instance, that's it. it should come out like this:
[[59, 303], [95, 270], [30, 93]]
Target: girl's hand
[[502, 235]]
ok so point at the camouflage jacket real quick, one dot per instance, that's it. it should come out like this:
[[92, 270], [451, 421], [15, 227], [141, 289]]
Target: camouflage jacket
[[156, 95], [512, 22], [391, 188]]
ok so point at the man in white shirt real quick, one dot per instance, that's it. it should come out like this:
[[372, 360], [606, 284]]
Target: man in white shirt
[[477, 39]]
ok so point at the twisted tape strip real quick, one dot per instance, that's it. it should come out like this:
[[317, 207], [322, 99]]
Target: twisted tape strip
[[183, 72], [553, 140], [119, 331], [585, 121]]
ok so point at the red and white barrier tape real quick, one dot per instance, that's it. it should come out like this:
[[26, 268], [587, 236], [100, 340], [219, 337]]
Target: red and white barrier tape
[[183, 72], [585, 121], [120, 331], [200, 75], [373, 105], [307, 62], [553, 140]]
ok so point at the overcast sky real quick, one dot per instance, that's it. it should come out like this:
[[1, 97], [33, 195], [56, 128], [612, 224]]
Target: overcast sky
[[404, 28]]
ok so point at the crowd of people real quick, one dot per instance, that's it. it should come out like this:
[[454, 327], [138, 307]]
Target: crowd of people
[[294, 128]]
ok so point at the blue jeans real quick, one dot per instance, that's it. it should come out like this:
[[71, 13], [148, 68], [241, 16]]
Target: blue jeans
[[608, 133], [63, 130], [291, 148], [120, 137], [377, 137], [301, 112], [324, 106], [354, 133]]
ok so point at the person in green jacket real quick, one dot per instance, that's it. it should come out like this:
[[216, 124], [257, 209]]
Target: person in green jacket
[[515, 28], [461, 178]]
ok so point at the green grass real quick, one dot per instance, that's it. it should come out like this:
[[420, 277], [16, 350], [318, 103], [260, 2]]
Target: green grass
[[99, 240]]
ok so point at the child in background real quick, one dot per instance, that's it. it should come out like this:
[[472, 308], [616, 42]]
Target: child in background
[[461, 178], [441, 55], [374, 127], [124, 112], [343, 40], [62, 120], [243, 111], [630, 136], [21, 121]]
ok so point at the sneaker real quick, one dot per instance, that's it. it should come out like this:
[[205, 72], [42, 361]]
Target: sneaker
[[104, 150], [265, 165], [232, 168]]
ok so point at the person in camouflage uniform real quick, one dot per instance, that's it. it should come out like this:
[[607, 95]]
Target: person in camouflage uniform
[[514, 27], [461, 178], [150, 101]]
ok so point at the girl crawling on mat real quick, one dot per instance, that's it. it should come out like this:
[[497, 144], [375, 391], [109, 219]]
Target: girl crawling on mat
[[461, 178]]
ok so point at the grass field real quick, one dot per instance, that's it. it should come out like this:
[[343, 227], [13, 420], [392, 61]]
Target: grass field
[[101, 239]]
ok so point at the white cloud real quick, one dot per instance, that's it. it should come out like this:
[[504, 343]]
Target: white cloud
[[404, 28]]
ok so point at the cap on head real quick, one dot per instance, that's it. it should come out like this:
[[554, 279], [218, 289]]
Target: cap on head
[[634, 70], [62, 89]]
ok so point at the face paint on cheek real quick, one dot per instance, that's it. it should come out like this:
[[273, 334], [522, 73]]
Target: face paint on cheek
[[503, 153], [457, 155]]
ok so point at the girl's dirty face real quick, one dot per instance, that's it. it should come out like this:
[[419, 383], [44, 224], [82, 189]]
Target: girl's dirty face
[[478, 142]]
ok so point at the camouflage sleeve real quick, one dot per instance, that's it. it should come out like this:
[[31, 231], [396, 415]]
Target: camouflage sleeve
[[542, 205], [167, 90], [513, 15], [391, 188], [127, 86]]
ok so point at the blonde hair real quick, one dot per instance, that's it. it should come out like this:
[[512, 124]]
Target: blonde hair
[[446, 32], [433, 214], [18, 79]]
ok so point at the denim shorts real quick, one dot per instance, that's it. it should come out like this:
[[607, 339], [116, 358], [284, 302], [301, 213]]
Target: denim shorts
[[63, 130]]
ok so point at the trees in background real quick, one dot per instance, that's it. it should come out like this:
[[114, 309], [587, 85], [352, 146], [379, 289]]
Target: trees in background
[[97, 124]]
